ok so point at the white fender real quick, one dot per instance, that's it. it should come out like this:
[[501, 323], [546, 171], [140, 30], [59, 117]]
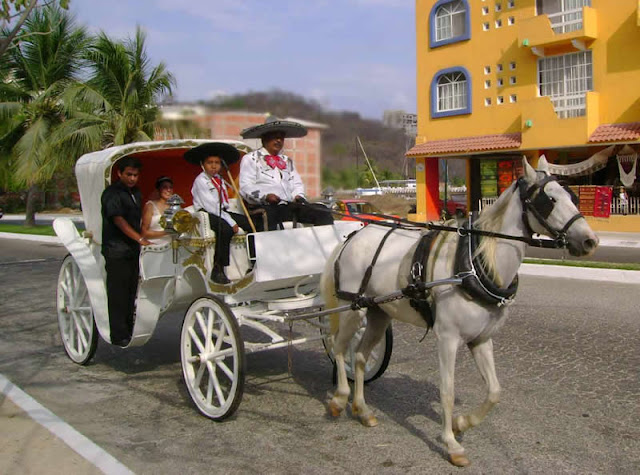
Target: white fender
[[69, 236]]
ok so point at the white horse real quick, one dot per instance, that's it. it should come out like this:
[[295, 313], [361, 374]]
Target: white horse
[[534, 204]]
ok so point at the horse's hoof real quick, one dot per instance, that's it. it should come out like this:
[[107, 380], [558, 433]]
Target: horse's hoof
[[334, 409], [459, 460], [369, 421]]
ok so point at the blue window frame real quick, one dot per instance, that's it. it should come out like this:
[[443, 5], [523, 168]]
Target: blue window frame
[[449, 22], [451, 92]]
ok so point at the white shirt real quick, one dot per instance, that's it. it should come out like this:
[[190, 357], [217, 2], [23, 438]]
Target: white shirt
[[206, 197], [257, 179]]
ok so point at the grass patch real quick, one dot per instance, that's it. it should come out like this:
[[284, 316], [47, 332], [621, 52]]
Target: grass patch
[[46, 230], [591, 264]]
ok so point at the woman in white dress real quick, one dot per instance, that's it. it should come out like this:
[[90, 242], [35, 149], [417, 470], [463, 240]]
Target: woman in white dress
[[154, 209]]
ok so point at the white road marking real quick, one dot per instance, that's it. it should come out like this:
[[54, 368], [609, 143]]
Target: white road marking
[[74, 439]]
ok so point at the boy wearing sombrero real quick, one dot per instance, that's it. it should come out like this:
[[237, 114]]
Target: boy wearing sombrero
[[210, 194], [269, 180]]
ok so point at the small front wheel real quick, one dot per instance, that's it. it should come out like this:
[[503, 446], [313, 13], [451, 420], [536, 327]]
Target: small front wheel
[[213, 359], [75, 316]]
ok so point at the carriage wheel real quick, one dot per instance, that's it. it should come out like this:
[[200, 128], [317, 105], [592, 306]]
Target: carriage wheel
[[75, 316], [378, 360], [212, 355]]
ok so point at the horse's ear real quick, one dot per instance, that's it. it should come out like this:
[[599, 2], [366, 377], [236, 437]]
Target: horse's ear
[[543, 165], [529, 172]]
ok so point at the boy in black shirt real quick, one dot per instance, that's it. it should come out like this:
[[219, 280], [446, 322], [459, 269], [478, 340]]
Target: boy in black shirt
[[121, 240]]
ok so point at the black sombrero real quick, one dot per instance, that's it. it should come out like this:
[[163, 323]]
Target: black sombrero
[[225, 151], [273, 124]]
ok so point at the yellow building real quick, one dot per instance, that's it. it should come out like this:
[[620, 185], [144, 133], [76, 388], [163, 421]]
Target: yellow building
[[499, 79]]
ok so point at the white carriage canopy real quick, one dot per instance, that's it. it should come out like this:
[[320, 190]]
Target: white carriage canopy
[[96, 170]]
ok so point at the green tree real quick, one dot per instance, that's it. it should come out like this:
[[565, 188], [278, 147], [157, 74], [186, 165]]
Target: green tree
[[13, 14], [118, 103], [34, 77]]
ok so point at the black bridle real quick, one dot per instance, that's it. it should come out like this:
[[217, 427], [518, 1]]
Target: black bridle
[[536, 201]]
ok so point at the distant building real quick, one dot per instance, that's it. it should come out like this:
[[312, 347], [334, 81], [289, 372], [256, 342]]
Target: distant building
[[227, 125], [393, 118]]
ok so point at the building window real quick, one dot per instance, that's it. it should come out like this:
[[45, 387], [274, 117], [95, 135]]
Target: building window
[[485, 10], [564, 15], [485, 27], [499, 100], [499, 67], [512, 65], [566, 80], [449, 22], [500, 82], [487, 101], [512, 80], [511, 3], [487, 69], [513, 98], [487, 84], [451, 92], [498, 23], [511, 21]]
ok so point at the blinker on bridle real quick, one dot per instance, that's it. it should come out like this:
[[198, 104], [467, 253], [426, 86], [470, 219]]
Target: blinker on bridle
[[536, 200]]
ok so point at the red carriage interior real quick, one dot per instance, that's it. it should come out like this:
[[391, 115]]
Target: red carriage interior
[[157, 163]]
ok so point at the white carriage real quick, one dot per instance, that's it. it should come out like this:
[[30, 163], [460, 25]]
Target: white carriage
[[281, 285]]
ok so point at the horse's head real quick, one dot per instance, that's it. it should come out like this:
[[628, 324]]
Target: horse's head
[[551, 209]]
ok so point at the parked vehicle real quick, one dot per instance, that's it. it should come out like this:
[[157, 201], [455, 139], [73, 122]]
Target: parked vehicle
[[355, 210], [456, 205]]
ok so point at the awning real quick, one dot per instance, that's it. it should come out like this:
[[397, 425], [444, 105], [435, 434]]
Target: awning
[[586, 167], [616, 132]]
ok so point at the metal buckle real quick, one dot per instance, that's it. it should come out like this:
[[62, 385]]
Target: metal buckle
[[416, 271]]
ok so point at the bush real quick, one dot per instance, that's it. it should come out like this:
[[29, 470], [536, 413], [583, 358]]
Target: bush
[[13, 202]]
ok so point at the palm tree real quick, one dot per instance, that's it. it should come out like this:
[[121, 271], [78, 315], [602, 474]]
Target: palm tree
[[33, 78], [118, 104]]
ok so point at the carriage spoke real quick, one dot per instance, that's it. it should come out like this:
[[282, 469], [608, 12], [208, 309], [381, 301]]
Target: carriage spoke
[[209, 331], [225, 369], [209, 387], [196, 339], [200, 319], [199, 374], [216, 383], [220, 338], [82, 342]]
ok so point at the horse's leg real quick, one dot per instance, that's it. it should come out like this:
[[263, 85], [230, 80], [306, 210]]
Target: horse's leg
[[483, 356], [377, 322], [447, 349], [349, 324]]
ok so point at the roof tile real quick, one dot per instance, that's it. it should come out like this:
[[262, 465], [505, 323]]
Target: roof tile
[[616, 132], [468, 144]]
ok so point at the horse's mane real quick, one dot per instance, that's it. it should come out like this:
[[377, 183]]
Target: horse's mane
[[491, 219]]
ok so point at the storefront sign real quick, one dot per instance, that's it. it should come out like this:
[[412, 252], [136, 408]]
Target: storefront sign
[[595, 201]]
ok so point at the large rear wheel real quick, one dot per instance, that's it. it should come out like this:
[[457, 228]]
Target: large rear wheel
[[378, 359], [213, 359], [75, 316]]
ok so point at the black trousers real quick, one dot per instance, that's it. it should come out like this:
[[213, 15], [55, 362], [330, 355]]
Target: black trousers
[[224, 233], [304, 213], [122, 288]]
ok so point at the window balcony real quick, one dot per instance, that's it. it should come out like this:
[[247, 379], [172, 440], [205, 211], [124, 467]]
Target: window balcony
[[549, 122], [574, 28]]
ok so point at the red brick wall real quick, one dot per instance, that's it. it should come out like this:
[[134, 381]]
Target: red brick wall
[[305, 151]]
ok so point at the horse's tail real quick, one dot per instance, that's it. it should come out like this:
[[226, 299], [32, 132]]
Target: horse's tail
[[328, 288]]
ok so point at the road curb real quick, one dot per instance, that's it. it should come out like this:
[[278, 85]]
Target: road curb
[[31, 237], [581, 273]]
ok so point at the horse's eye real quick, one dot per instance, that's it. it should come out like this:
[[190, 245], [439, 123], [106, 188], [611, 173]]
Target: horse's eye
[[553, 200]]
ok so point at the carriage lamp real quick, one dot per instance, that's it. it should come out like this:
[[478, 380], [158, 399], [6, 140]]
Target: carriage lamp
[[168, 218]]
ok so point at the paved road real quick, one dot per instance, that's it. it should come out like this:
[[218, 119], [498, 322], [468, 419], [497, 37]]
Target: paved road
[[567, 361]]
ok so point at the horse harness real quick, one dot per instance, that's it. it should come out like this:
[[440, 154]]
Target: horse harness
[[468, 266]]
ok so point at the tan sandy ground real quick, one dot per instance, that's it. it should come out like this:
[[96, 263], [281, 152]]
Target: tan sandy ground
[[28, 448]]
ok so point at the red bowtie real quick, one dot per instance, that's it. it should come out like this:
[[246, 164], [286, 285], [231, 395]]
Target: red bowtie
[[275, 161], [222, 192]]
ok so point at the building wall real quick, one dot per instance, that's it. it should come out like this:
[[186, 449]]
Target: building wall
[[616, 73], [305, 151]]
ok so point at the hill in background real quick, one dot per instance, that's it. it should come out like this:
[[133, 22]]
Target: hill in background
[[384, 145]]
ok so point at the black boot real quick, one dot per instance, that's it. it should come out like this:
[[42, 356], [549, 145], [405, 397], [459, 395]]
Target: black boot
[[218, 276]]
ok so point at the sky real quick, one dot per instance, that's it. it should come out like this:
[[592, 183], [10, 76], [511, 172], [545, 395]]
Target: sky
[[352, 55]]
